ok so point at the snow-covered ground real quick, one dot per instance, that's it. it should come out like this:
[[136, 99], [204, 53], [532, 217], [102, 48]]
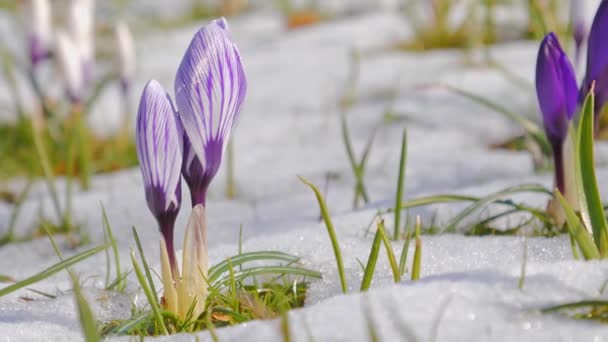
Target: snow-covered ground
[[290, 126]]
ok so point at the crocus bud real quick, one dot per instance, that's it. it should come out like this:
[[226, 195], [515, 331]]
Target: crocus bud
[[597, 60], [126, 55], [210, 89], [71, 68], [81, 25], [40, 30], [557, 97], [159, 149]]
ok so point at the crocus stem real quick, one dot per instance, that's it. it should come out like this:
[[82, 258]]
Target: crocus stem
[[166, 230], [558, 160], [198, 197]]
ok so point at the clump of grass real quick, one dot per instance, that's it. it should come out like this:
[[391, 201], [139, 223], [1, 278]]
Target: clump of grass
[[106, 154], [240, 290], [440, 33]]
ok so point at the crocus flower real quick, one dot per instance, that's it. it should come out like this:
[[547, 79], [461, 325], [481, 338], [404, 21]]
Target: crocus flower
[[81, 27], [597, 60], [69, 63], [126, 55], [557, 97], [40, 31], [210, 89], [159, 149]]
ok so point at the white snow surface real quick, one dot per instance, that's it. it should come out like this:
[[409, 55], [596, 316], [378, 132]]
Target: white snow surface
[[290, 126]]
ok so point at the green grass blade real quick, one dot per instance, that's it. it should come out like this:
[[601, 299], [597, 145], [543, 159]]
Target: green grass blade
[[389, 252], [130, 325], [332, 233], [404, 252], [357, 171], [17, 208], [45, 163], [120, 285], [529, 126], [576, 305], [370, 268], [52, 270], [266, 270], [222, 267], [492, 198], [87, 320], [589, 180], [417, 263], [400, 181], [140, 250], [150, 295], [578, 231]]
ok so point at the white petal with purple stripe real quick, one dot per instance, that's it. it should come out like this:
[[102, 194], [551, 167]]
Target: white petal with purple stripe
[[159, 143]]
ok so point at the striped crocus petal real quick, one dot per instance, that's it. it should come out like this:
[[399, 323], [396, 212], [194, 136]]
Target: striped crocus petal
[[159, 149], [210, 89]]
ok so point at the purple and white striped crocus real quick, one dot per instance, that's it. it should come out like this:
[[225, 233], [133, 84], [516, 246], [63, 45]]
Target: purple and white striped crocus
[[159, 149], [557, 93], [597, 60], [210, 89]]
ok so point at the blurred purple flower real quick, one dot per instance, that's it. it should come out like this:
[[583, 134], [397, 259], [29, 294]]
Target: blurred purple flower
[[579, 26], [40, 30], [597, 60], [210, 89], [557, 97], [159, 149]]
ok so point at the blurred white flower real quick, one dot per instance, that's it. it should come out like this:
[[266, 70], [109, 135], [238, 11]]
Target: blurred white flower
[[69, 59], [81, 26], [125, 49], [39, 39]]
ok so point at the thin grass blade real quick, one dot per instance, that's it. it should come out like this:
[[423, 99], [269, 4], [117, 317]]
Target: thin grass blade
[[332, 233], [52, 270]]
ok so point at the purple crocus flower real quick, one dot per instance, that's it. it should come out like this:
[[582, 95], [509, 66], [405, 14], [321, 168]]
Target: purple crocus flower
[[159, 149], [557, 97], [597, 60], [210, 89]]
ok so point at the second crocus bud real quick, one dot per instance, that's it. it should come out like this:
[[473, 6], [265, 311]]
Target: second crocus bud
[[557, 97], [159, 150], [597, 61]]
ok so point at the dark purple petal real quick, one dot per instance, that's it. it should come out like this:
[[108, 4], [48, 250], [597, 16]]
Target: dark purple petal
[[210, 89], [198, 178], [597, 56], [159, 149], [556, 89]]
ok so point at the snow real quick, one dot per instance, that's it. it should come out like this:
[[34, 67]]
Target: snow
[[290, 126]]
